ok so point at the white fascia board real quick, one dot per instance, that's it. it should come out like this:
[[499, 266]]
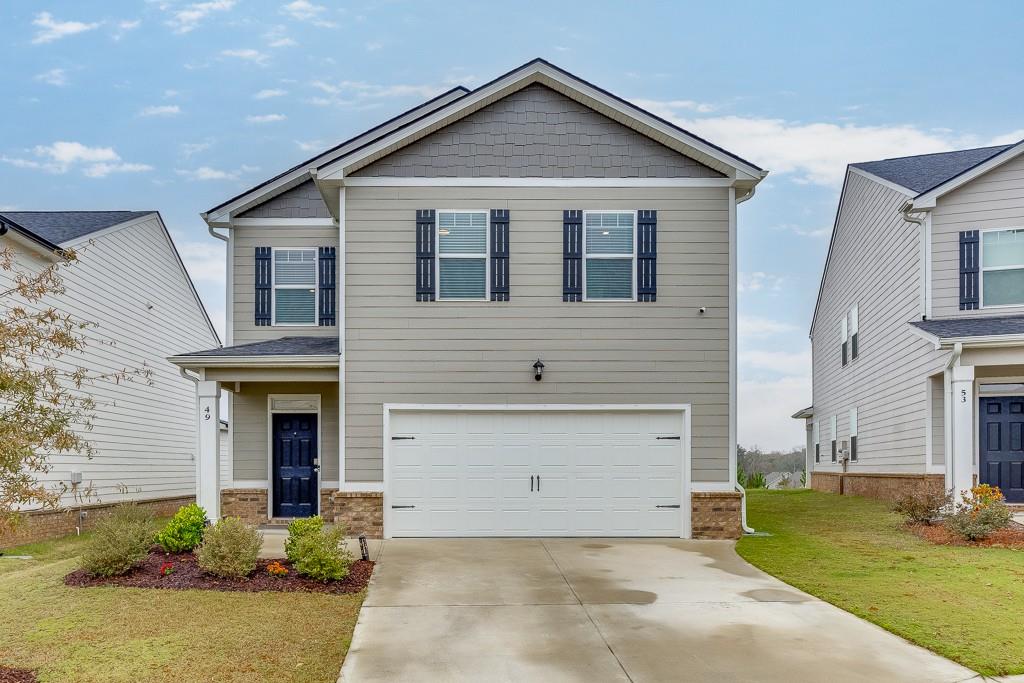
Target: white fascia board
[[534, 73], [882, 181], [927, 199], [986, 341], [254, 361], [927, 336], [281, 222], [534, 182], [33, 246]]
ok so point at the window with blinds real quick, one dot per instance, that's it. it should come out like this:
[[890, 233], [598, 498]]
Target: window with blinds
[[462, 255], [295, 286], [609, 249]]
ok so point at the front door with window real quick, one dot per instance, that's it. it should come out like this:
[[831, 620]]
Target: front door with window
[[295, 468], [1001, 452]]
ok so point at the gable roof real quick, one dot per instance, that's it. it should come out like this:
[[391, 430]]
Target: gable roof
[[60, 227], [924, 172], [950, 330]]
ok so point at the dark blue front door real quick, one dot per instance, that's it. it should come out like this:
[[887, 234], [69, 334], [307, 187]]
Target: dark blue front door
[[295, 465], [1002, 445]]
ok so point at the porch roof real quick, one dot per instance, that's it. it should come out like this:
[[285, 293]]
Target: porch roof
[[1003, 328], [283, 351]]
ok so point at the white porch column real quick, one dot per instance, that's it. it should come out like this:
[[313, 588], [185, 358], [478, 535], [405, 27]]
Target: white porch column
[[960, 465], [208, 471]]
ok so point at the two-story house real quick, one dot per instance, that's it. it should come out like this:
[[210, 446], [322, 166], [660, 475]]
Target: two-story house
[[507, 311], [918, 333], [130, 287]]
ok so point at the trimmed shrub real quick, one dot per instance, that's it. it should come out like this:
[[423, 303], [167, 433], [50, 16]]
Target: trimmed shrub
[[922, 508], [982, 512], [185, 530], [299, 528], [119, 542], [321, 554], [229, 549]]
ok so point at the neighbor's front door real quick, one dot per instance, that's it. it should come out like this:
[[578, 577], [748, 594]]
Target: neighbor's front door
[[295, 467], [1001, 449]]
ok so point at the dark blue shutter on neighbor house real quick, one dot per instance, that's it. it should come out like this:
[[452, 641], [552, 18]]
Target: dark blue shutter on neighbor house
[[425, 222], [262, 286], [572, 255], [969, 270], [499, 254], [326, 299], [646, 255]]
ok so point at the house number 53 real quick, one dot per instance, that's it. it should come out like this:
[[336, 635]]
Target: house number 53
[[963, 396]]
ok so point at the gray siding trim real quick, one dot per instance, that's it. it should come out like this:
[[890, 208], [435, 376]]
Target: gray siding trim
[[537, 132], [302, 201]]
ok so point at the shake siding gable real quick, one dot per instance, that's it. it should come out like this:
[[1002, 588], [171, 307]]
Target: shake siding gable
[[875, 263]]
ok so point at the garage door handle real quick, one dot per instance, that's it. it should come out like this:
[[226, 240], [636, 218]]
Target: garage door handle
[[667, 438], [531, 483], [402, 438], [667, 506], [409, 507], [538, 482]]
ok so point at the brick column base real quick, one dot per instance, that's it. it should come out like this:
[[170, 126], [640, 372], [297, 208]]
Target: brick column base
[[249, 505], [716, 515], [361, 512]]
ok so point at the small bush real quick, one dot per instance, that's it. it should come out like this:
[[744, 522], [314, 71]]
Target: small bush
[[185, 530], [922, 508], [119, 541], [756, 480], [982, 512], [321, 555], [299, 528], [230, 549]]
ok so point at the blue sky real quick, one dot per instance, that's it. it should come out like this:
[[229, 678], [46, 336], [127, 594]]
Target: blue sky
[[177, 106]]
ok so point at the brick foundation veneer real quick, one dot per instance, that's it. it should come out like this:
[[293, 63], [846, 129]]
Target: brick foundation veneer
[[880, 485], [39, 526], [716, 515], [249, 505], [362, 513]]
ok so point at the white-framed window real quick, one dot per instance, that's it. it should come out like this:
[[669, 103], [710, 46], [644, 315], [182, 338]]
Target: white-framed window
[[853, 434], [463, 244], [854, 329], [817, 441], [849, 326], [834, 433], [294, 277], [844, 337], [609, 255], [1002, 267]]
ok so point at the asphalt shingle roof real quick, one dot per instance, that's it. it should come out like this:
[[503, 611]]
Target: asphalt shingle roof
[[972, 327], [59, 227], [285, 346], [926, 171]]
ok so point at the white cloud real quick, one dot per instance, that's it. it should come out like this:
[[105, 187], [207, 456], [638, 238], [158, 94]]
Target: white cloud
[[359, 92], [310, 146], [303, 10], [248, 55], [189, 17], [806, 232], [277, 37], [204, 260], [56, 77], [188, 149], [161, 110], [60, 157], [1011, 138], [50, 29], [759, 281], [265, 118], [675, 106], [373, 45], [171, 94], [123, 27], [267, 93], [776, 362], [751, 326], [206, 173], [282, 42]]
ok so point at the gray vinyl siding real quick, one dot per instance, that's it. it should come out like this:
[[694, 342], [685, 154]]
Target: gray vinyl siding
[[246, 239], [993, 200], [302, 201], [537, 132], [936, 388], [401, 351], [250, 412], [874, 263]]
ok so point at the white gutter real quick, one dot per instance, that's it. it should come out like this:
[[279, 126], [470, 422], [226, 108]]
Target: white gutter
[[254, 361], [954, 358]]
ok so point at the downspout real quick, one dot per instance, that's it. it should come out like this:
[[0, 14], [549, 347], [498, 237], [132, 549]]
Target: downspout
[[743, 491], [905, 211], [195, 412], [223, 238]]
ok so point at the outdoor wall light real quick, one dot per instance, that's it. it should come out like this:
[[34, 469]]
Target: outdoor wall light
[[538, 370]]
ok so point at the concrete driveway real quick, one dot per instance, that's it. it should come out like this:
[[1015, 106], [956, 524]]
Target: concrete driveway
[[609, 610]]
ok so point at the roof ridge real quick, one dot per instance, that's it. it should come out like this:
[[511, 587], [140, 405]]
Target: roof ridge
[[932, 154]]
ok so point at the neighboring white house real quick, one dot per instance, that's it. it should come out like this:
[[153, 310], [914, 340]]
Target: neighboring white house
[[918, 332], [130, 282]]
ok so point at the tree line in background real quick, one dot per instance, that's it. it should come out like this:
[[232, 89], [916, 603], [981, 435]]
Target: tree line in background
[[754, 465]]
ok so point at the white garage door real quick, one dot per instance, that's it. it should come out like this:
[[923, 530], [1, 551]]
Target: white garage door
[[544, 473]]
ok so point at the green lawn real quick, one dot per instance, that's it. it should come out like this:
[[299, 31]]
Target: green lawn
[[102, 635], [963, 603]]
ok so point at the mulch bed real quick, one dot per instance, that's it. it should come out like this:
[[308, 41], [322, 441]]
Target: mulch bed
[[9, 675], [188, 575], [1011, 537]]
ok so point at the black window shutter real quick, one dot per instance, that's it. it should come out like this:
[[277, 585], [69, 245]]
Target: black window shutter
[[572, 255], [425, 222], [969, 270], [647, 255], [328, 261], [499, 254], [262, 286]]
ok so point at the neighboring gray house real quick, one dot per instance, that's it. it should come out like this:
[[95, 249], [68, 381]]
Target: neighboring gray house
[[918, 333], [507, 311], [130, 283]]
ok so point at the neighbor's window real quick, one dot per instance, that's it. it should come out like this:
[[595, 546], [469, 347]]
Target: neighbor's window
[[609, 248], [1002, 267], [462, 255], [817, 441], [844, 336], [294, 287], [848, 328], [853, 434], [854, 327], [833, 434]]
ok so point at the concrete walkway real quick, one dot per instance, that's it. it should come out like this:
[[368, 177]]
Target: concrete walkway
[[609, 610]]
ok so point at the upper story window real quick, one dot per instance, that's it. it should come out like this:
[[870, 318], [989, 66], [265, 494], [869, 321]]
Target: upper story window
[[817, 441], [295, 285], [848, 334], [462, 255], [853, 434], [834, 429], [1002, 267], [609, 249]]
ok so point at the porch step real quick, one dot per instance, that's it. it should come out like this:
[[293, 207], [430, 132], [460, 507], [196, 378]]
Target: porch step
[[1016, 508], [277, 523]]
